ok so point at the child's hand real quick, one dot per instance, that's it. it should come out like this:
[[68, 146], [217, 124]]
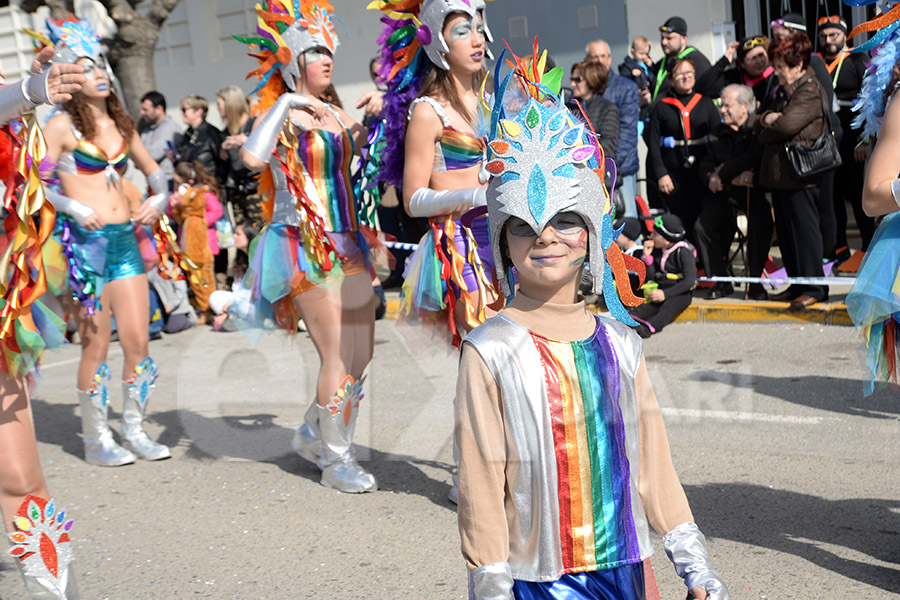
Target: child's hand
[[657, 296]]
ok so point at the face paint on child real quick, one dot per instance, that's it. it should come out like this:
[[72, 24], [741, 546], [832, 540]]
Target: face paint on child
[[463, 30]]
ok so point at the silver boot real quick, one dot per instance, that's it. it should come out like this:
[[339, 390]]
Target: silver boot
[[307, 441], [100, 448], [43, 549], [337, 421], [136, 392]]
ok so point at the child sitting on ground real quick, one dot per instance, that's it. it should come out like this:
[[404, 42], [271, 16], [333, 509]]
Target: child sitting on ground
[[222, 302], [563, 457], [196, 208], [672, 265]]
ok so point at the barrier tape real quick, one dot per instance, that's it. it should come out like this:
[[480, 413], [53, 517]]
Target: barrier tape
[[837, 281]]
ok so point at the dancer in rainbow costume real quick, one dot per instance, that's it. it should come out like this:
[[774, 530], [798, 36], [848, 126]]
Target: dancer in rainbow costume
[[310, 261], [432, 148], [90, 141], [874, 301], [556, 418], [36, 527]]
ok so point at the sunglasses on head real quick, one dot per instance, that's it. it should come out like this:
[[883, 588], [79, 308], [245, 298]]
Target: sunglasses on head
[[834, 19], [754, 42]]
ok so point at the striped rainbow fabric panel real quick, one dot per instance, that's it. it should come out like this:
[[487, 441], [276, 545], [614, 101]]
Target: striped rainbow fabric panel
[[460, 150], [327, 157], [594, 477], [90, 158]]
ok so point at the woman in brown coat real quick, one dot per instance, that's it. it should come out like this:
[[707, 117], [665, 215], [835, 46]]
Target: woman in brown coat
[[796, 116]]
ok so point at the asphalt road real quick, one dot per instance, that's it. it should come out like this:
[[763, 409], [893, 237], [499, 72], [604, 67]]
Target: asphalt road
[[790, 472]]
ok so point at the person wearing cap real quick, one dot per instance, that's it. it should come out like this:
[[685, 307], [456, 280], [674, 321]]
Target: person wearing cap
[[745, 62], [622, 92], [727, 174], [674, 42], [680, 124], [846, 72], [672, 264]]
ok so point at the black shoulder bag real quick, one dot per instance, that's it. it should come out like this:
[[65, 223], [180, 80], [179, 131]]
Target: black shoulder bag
[[823, 155]]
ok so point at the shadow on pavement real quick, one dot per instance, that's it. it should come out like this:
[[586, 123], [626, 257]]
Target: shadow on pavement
[[254, 437], [833, 394], [807, 526]]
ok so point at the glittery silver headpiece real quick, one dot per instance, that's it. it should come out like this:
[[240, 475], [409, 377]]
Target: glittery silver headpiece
[[544, 166], [431, 32], [313, 28]]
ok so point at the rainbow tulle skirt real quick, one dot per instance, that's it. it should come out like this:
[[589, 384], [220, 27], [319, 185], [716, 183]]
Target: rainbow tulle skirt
[[33, 334], [452, 264], [874, 305]]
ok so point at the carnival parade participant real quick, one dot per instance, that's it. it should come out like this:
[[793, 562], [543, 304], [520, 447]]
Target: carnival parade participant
[[556, 418], [310, 261], [91, 140], [433, 54], [874, 301], [37, 529]]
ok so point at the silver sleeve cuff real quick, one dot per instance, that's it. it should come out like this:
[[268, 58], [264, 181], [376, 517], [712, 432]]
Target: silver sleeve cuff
[[264, 136], [160, 202], [69, 206], [37, 86], [157, 182], [686, 548], [895, 190], [426, 202], [14, 101], [492, 582]]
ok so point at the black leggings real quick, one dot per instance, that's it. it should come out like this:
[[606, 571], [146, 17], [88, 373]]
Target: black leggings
[[659, 314]]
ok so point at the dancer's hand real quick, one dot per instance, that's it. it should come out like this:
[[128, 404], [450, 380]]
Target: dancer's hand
[[147, 215], [60, 80], [93, 222], [372, 101], [697, 593]]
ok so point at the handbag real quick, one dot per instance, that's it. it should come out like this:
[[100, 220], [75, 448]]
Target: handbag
[[823, 155]]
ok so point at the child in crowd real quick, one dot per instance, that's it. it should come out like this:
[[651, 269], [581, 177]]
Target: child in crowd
[[672, 264], [196, 208], [637, 66], [556, 420], [221, 302]]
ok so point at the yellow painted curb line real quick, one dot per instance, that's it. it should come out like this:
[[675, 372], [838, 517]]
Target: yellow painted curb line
[[735, 312]]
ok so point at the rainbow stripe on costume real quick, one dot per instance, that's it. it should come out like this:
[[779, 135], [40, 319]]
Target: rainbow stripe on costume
[[460, 150], [592, 467], [90, 158], [326, 156]]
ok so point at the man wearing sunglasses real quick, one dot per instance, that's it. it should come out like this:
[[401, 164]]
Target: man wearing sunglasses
[[846, 72], [746, 62]]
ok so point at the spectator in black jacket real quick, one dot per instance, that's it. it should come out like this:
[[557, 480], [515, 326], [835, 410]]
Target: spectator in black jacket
[[673, 40], [680, 124], [201, 142], [727, 173], [589, 80], [751, 68], [847, 72]]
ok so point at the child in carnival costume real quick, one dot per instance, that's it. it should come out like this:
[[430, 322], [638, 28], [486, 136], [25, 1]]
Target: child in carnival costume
[[38, 530], [556, 419], [311, 260], [431, 147], [90, 141], [874, 301]]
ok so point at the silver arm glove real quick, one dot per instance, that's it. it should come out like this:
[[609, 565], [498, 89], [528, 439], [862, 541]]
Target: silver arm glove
[[22, 96], [686, 548], [69, 206], [492, 582], [426, 202], [160, 199], [895, 190], [262, 140]]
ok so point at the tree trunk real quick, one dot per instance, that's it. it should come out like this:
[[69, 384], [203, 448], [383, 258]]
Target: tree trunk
[[136, 74]]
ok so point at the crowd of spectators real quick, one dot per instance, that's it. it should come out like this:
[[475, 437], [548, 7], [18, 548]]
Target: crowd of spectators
[[715, 137]]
